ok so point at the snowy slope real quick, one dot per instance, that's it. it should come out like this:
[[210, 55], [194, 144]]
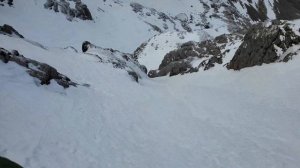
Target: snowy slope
[[110, 29], [115, 24], [214, 119]]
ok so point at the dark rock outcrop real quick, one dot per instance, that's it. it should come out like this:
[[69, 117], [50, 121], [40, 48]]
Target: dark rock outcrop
[[136, 7], [45, 73], [80, 11], [6, 163], [287, 9], [85, 46], [182, 60], [134, 75], [257, 10], [9, 30], [262, 44], [8, 2], [259, 14], [139, 50]]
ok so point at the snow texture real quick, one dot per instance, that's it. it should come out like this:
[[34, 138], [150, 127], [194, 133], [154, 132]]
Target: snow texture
[[217, 119]]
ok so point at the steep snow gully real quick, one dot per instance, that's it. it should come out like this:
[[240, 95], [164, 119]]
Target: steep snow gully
[[64, 108]]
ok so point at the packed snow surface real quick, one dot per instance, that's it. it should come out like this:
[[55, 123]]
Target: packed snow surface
[[212, 119]]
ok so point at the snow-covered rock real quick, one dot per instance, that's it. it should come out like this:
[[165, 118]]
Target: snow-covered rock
[[80, 11], [43, 72], [267, 43], [192, 56], [9, 30], [117, 59]]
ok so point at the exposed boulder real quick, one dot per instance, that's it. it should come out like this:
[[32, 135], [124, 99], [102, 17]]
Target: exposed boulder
[[45, 73], [85, 46], [9, 30], [264, 44]]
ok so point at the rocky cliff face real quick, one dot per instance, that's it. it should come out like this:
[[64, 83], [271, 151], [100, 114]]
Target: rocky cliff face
[[287, 9], [261, 10], [192, 56], [266, 44]]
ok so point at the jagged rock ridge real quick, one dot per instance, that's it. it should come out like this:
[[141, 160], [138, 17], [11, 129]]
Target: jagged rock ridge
[[266, 44], [192, 56]]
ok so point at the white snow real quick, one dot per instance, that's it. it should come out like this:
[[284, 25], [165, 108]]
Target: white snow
[[279, 50], [110, 29], [213, 119]]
